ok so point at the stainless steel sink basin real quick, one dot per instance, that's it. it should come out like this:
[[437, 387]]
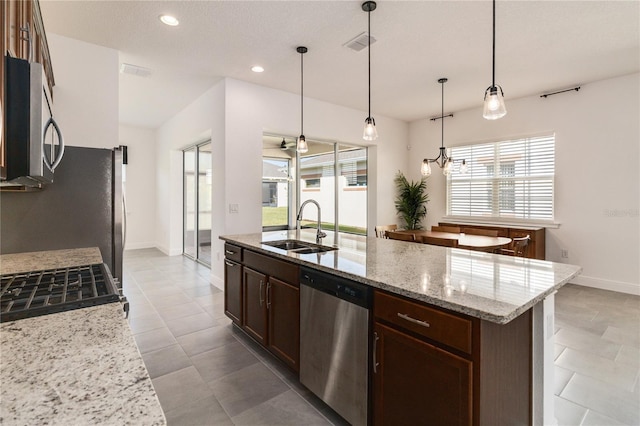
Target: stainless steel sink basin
[[301, 247]]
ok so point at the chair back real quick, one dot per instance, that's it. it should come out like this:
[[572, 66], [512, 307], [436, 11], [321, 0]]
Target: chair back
[[381, 230], [485, 232], [402, 236], [453, 229], [435, 241], [519, 247]]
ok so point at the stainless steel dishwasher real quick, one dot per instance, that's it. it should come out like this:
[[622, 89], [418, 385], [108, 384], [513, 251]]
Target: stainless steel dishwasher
[[334, 342]]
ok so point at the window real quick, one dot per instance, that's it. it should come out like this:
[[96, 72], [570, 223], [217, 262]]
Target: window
[[275, 193], [511, 179], [331, 173]]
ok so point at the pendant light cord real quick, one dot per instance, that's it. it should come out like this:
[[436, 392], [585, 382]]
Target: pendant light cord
[[369, 52], [493, 76], [442, 115], [302, 93]]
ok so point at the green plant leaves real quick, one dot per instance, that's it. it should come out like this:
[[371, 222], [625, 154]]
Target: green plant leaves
[[410, 201]]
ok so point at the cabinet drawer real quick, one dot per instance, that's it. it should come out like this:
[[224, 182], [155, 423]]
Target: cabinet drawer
[[285, 271], [440, 326], [232, 252]]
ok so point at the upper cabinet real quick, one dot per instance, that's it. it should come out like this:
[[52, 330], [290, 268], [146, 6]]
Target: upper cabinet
[[23, 21]]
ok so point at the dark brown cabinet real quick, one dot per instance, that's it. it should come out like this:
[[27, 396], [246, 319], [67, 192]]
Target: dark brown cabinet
[[418, 383], [233, 283], [255, 305], [434, 366], [283, 305], [269, 296]]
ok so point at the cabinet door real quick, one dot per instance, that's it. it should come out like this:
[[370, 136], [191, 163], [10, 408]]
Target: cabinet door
[[416, 383], [233, 291], [283, 304], [255, 306]]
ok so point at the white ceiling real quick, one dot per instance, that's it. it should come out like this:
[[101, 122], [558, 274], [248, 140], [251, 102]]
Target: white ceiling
[[540, 46]]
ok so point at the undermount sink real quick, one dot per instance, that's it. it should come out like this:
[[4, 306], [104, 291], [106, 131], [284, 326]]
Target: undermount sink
[[296, 246]]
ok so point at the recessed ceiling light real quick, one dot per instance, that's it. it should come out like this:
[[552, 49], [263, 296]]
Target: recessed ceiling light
[[257, 68], [169, 20]]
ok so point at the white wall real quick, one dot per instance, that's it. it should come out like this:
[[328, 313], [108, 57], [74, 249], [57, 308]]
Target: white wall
[[86, 92], [237, 113], [140, 186], [597, 184], [202, 120]]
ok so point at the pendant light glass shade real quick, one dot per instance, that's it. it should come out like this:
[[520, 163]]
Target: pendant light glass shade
[[425, 170], [448, 167], [463, 167], [301, 144], [494, 107], [370, 133]]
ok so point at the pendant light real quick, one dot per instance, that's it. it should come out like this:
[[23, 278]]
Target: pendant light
[[442, 160], [494, 107], [370, 133], [302, 146]]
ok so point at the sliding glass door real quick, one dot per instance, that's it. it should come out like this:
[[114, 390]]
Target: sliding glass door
[[197, 202], [333, 174]]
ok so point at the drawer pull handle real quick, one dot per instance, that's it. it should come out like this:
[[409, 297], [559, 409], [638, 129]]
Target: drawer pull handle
[[226, 262], [413, 320], [229, 252]]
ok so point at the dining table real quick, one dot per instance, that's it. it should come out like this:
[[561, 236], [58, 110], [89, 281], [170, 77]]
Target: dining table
[[465, 241]]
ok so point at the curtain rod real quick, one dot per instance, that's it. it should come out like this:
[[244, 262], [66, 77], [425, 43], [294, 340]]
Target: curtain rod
[[560, 91]]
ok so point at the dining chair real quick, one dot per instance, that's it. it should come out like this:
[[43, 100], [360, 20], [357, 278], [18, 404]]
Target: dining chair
[[485, 232], [381, 230], [435, 241], [519, 247], [392, 235], [452, 229]]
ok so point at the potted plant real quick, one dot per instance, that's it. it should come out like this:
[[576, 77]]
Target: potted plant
[[411, 200]]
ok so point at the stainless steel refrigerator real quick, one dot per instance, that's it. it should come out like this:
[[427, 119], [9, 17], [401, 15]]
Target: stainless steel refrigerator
[[82, 207]]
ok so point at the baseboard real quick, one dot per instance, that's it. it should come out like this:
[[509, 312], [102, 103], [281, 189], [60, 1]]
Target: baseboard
[[169, 252], [619, 286], [136, 246], [217, 282]]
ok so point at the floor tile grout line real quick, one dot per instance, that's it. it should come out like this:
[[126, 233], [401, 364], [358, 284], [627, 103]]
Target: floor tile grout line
[[281, 378]]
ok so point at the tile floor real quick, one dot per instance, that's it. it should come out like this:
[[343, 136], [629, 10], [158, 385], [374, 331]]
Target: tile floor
[[207, 373]]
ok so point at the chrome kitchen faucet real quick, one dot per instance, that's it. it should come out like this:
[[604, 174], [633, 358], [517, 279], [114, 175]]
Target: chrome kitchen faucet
[[319, 235]]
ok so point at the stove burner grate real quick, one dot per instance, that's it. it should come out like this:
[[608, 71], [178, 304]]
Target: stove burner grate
[[29, 294]]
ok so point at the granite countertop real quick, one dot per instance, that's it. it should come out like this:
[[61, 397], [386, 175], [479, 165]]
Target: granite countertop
[[491, 287], [75, 367], [44, 260], [79, 367]]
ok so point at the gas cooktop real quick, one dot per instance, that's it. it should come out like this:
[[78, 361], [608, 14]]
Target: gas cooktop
[[30, 294]]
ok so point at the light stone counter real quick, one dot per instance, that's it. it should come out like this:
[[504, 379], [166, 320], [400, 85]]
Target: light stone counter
[[491, 287], [44, 260], [79, 367]]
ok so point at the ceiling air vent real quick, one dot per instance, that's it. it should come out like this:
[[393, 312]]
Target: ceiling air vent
[[135, 70], [359, 42]]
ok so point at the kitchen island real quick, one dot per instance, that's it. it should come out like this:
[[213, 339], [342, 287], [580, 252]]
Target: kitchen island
[[501, 308], [75, 367]]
